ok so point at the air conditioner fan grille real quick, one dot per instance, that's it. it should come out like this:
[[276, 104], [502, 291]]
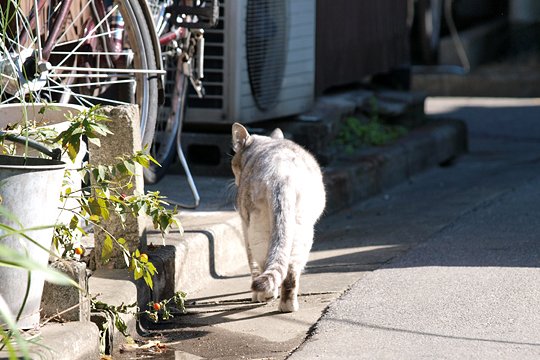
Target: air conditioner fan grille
[[266, 49]]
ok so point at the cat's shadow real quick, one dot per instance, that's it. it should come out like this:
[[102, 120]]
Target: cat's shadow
[[202, 312]]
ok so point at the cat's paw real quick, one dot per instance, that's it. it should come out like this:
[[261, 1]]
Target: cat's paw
[[288, 306], [259, 296]]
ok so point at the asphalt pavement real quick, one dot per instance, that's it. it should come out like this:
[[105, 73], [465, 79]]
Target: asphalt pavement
[[467, 286]]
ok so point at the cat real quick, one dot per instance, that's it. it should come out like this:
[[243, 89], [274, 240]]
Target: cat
[[280, 197]]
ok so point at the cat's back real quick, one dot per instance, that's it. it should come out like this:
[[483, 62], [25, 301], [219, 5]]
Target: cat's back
[[281, 158], [267, 168]]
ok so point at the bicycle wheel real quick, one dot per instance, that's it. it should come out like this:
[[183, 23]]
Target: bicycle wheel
[[169, 122], [98, 52]]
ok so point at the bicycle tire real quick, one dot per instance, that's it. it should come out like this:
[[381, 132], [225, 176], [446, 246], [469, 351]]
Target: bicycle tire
[[81, 69], [168, 127]]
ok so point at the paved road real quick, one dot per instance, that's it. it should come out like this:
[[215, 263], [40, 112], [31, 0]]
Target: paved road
[[443, 266], [468, 286]]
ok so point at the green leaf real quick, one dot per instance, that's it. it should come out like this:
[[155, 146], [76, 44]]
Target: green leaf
[[12, 258], [126, 258], [130, 167], [101, 129], [138, 273], [94, 218], [73, 151], [148, 280], [95, 141], [8, 319], [142, 160], [120, 325], [77, 131], [151, 268], [102, 171], [107, 249], [153, 160], [103, 210], [74, 222]]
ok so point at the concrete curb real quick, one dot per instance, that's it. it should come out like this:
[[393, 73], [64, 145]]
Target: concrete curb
[[211, 247], [375, 170], [67, 341]]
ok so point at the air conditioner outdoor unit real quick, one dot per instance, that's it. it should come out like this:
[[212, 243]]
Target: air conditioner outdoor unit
[[259, 62]]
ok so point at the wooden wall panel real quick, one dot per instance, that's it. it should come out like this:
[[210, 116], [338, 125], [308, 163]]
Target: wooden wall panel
[[357, 38]]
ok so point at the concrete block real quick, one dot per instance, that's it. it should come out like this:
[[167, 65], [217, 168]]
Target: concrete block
[[360, 97], [316, 137], [67, 303], [76, 340], [342, 103], [397, 107], [330, 108], [365, 179], [450, 140], [113, 287], [338, 189], [420, 154], [394, 169], [212, 247], [125, 140], [482, 43]]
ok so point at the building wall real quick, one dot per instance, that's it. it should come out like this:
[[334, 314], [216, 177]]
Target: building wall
[[358, 38]]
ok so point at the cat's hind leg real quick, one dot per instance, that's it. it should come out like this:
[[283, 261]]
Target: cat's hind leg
[[258, 235], [298, 260], [289, 291]]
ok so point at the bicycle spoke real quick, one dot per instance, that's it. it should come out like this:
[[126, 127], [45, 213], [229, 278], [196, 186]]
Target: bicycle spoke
[[128, 81], [90, 33], [87, 38], [38, 34], [83, 96], [110, 71], [68, 93], [74, 21], [108, 53]]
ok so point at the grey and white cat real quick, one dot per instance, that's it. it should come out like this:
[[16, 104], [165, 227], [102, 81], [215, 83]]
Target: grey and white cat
[[280, 198]]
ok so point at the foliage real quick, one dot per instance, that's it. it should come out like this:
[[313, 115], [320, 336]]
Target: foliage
[[154, 310], [105, 193], [163, 307], [355, 133], [9, 333]]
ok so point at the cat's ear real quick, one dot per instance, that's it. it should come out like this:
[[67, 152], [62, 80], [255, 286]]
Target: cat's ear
[[240, 137], [277, 134]]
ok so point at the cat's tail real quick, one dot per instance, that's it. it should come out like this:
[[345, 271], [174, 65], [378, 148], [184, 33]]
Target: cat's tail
[[279, 251]]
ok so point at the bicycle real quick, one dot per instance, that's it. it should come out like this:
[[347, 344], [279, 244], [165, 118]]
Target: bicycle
[[182, 40], [93, 52]]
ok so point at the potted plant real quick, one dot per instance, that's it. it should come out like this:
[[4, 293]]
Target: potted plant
[[87, 205], [29, 191]]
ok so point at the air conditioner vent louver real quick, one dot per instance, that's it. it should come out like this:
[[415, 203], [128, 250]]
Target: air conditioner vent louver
[[266, 49]]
